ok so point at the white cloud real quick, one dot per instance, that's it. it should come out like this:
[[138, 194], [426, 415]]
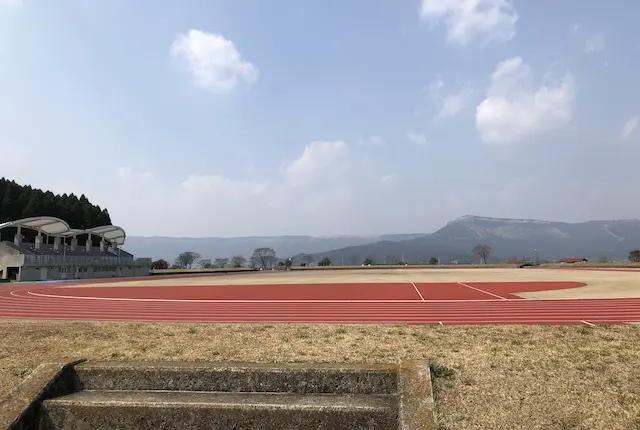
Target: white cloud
[[631, 127], [514, 108], [323, 183], [417, 138], [466, 20], [222, 186], [389, 178], [213, 61], [592, 42], [128, 176], [453, 104], [320, 160], [372, 142], [434, 87]]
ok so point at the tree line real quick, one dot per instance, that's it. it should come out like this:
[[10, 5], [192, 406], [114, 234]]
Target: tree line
[[265, 258], [22, 201]]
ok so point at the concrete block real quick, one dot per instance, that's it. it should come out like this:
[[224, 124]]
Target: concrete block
[[19, 411], [242, 377], [415, 392], [141, 410]]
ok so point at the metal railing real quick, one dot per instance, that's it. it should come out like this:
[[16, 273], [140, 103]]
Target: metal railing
[[73, 260]]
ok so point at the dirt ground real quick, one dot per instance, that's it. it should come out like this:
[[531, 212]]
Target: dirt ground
[[487, 377]]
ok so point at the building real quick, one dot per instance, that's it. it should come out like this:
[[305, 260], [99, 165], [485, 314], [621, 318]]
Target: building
[[58, 252]]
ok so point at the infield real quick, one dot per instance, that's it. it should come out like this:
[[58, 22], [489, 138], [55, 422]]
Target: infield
[[423, 296]]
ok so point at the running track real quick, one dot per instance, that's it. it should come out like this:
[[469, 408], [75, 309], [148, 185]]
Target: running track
[[412, 303]]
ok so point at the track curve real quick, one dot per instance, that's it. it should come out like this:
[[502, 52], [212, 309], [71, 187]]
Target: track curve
[[22, 301]]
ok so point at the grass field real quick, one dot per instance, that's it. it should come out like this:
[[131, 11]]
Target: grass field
[[487, 377], [503, 377]]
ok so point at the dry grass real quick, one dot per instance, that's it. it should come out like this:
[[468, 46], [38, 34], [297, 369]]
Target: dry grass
[[500, 377]]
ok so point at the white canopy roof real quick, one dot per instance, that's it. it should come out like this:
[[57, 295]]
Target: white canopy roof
[[52, 226], [46, 224], [112, 233]]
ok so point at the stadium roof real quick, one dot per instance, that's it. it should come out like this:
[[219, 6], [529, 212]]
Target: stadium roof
[[47, 224], [112, 233], [56, 227]]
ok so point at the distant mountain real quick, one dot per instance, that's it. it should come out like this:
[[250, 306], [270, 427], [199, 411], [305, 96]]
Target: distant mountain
[[508, 238], [212, 247]]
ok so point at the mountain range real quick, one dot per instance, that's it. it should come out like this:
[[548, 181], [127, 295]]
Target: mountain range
[[212, 247], [521, 239], [508, 238]]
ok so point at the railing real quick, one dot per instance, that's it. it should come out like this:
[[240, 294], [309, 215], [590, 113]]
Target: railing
[[73, 260]]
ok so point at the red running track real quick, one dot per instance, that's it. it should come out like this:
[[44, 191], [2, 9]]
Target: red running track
[[398, 303]]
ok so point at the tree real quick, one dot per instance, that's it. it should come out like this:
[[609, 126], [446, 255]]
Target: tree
[[307, 259], [221, 262], [634, 256], [185, 260], [326, 261], [433, 261], [288, 263], [18, 201], [264, 257], [483, 251], [205, 263], [159, 265], [238, 261], [367, 262], [603, 259]]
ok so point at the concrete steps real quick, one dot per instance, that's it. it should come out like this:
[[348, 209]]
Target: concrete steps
[[240, 377], [129, 410], [170, 395]]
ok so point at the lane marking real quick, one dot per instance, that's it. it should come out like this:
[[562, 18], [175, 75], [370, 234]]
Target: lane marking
[[499, 299], [417, 291], [483, 291], [587, 323]]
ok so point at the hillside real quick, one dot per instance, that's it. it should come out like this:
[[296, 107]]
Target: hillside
[[509, 238], [22, 201], [211, 247]]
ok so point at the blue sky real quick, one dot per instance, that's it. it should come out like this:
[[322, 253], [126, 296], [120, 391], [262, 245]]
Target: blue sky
[[238, 117]]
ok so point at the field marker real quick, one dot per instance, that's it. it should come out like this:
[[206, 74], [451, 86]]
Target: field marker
[[482, 291], [587, 323], [417, 291]]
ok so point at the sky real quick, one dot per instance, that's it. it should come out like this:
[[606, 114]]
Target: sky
[[323, 117]]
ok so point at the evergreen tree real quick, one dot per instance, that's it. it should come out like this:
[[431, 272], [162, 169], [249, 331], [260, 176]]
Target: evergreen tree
[[17, 201]]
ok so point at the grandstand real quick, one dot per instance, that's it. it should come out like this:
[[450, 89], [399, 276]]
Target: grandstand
[[59, 252]]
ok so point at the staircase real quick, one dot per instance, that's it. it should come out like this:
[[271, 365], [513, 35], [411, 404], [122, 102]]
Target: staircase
[[128, 396]]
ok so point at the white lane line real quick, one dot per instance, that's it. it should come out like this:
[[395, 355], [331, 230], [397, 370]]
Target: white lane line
[[417, 291], [482, 291], [587, 323]]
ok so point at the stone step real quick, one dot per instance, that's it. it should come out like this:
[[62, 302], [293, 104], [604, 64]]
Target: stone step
[[239, 377], [199, 410]]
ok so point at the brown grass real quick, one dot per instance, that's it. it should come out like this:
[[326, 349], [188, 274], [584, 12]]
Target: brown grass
[[498, 377]]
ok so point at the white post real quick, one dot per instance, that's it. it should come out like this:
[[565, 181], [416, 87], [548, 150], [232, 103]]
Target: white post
[[17, 239]]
